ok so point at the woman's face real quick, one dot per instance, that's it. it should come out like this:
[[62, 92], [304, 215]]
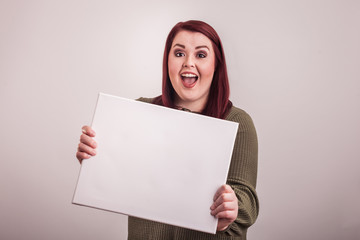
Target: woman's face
[[191, 66]]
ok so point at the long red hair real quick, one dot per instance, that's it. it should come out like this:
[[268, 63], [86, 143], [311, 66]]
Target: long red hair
[[218, 103]]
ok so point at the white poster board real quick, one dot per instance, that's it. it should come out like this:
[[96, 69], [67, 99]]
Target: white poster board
[[156, 163]]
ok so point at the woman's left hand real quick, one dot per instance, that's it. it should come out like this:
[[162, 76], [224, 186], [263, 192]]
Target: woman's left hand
[[225, 207]]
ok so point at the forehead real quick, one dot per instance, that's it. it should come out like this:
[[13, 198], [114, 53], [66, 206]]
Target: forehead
[[191, 39]]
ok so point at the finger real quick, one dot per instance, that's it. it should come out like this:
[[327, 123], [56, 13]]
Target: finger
[[88, 131], [224, 197], [89, 141], [225, 206], [81, 155], [228, 215], [224, 188], [86, 149]]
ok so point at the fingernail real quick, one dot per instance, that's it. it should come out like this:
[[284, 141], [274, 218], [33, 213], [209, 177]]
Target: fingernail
[[84, 131]]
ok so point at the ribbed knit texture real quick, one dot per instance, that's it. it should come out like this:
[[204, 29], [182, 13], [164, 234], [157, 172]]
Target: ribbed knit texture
[[241, 177]]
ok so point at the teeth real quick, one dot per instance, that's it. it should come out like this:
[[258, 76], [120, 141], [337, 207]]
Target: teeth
[[188, 75]]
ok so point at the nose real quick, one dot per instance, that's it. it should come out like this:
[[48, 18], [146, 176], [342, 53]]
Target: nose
[[189, 62]]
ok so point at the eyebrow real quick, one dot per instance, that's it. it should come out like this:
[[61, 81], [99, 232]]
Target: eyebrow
[[182, 46], [179, 45], [204, 46]]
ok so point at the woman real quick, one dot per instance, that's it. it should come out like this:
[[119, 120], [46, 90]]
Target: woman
[[195, 79]]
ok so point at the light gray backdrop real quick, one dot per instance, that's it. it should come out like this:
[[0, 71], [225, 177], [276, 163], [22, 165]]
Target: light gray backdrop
[[293, 66]]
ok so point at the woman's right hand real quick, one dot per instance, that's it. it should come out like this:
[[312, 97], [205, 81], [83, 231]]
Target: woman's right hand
[[87, 145]]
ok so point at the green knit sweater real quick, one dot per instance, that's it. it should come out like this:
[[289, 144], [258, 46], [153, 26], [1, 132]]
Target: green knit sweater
[[241, 177]]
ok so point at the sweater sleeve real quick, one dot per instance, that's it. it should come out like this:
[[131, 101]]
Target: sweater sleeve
[[243, 172]]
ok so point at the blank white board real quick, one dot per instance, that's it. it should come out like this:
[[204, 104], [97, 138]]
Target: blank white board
[[156, 163]]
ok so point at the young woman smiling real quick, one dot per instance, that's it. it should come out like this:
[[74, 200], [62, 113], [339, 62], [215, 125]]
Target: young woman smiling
[[195, 79]]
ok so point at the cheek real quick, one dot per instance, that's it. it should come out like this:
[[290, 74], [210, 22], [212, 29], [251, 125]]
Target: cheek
[[208, 71], [172, 69]]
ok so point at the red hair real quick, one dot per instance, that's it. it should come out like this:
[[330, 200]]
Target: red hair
[[218, 103]]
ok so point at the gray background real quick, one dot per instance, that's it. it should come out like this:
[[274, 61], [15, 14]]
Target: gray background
[[293, 66]]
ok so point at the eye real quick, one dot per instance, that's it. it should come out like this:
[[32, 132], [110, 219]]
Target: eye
[[201, 55], [179, 54]]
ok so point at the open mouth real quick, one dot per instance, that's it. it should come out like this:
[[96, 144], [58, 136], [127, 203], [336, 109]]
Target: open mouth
[[189, 79]]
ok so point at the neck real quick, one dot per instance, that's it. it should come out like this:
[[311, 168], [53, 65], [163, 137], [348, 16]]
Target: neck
[[193, 106]]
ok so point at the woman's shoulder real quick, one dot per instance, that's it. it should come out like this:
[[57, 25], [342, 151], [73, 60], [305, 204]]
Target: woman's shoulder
[[145, 99], [239, 115]]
